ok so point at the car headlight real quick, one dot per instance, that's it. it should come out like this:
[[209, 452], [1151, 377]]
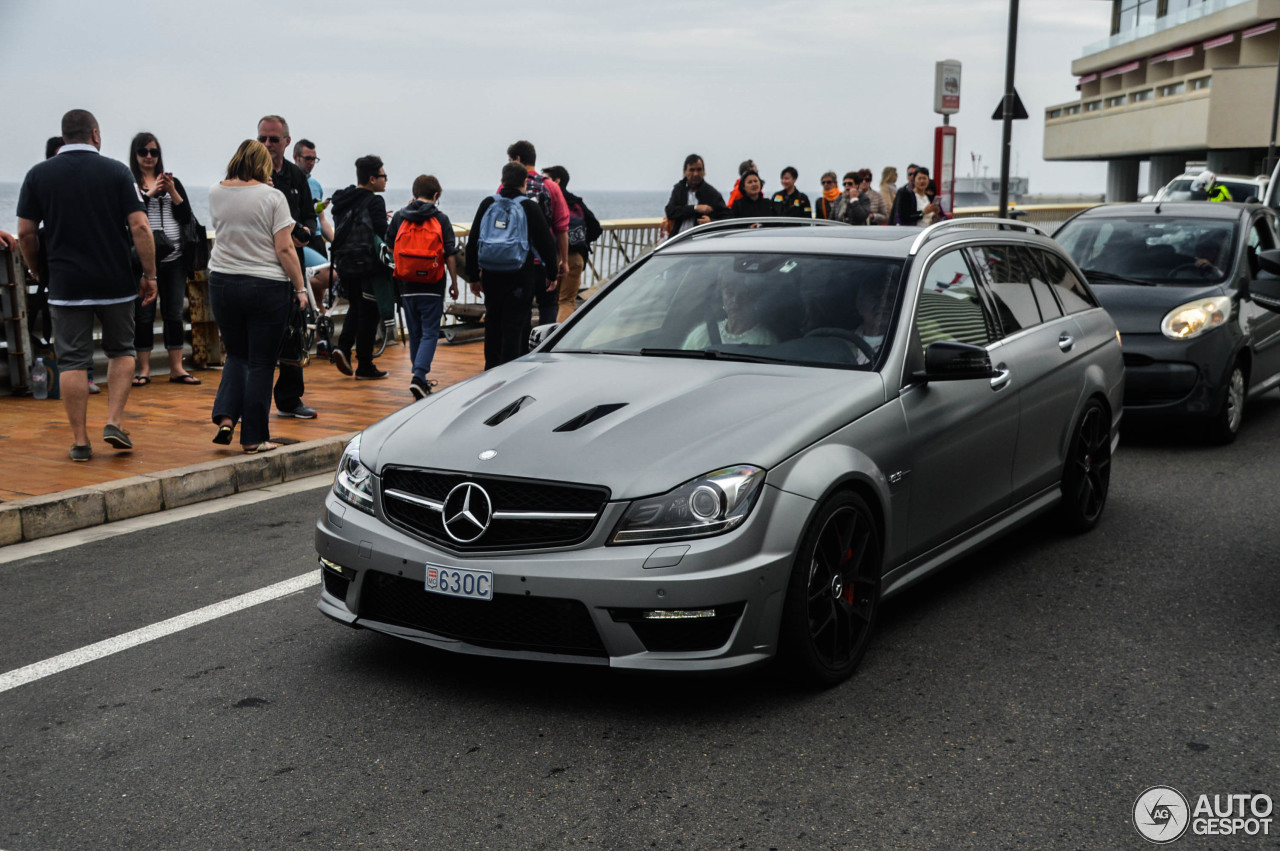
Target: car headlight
[[354, 482], [1196, 317], [708, 505]]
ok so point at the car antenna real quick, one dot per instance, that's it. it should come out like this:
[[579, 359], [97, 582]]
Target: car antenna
[[1158, 203]]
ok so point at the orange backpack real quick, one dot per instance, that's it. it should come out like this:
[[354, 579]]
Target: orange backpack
[[419, 251]]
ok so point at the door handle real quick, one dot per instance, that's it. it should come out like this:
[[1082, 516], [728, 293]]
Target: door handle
[[1000, 377], [1066, 342]]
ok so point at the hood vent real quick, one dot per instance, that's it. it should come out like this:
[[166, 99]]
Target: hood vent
[[509, 411], [590, 416]]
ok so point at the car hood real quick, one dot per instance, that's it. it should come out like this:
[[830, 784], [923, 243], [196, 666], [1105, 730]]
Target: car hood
[[1139, 310], [678, 419]]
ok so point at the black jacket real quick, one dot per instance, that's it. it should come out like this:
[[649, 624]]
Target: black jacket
[[292, 181], [540, 238], [904, 207], [856, 212], [762, 207], [796, 205], [678, 208], [420, 211]]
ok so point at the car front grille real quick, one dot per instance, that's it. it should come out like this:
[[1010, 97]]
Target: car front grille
[[507, 622], [526, 513]]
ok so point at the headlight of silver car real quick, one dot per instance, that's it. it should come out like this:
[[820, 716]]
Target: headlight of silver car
[[354, 482], [1196, 317], [708, 505]]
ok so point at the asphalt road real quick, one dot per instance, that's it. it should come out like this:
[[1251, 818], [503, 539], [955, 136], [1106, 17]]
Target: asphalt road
[[1022, 699]]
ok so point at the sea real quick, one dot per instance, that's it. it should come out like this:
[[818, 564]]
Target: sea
[[458, 204]]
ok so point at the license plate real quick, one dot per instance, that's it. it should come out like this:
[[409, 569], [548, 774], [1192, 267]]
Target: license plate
[[460, 582]]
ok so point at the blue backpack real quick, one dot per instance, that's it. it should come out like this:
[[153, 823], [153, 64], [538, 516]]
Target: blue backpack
[[504, 236]]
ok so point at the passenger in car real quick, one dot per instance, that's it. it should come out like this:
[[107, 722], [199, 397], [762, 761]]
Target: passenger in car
[[742, 322]]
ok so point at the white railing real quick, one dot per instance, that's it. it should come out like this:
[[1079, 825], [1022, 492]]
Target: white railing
[[1176, 19]]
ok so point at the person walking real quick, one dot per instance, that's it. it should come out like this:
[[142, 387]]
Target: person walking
[[253, 273], [361, 218], [508, 230], [584, 229], [916, 205], [167, 211], [288, 179], [790, 201], [693, 201], [752, 204], [424, 248], [826, 206], [85, 201]]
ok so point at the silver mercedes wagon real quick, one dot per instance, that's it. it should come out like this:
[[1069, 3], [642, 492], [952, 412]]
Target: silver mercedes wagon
[[735, 451]]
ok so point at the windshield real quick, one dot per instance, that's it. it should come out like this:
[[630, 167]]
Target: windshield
[[771, 308], [1180, 190], [1162, 250]]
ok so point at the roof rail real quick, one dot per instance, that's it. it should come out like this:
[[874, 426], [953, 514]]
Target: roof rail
[[736, 224], [1001, 224]]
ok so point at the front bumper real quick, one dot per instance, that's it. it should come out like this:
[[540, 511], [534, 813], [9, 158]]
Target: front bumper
[[582, 604], [1164, 377]]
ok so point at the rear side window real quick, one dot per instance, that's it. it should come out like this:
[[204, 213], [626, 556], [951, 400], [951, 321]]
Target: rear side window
[[950, 308], [1071, 292], [1009, 270]]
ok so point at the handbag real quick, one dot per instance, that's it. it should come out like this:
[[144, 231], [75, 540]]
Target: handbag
[[195, 246], [299, 335]]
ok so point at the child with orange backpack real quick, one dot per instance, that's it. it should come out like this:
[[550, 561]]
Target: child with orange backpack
[[423, 245]]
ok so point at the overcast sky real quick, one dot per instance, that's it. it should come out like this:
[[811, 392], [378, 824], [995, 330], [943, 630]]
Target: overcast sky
[[617, 92]]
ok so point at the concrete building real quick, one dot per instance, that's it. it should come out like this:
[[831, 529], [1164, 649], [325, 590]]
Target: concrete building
[[1177, 80]]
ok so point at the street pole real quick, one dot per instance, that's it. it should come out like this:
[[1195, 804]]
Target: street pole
[[1007, 123]]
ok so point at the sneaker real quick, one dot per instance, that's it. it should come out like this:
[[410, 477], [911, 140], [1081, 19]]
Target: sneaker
[[81, 453], [323, 349], [302, 412], [419, 387], [374, 374], [94, 390], [339, 359]]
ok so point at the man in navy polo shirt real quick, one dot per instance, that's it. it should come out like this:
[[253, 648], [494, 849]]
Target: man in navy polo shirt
[[90, 206]]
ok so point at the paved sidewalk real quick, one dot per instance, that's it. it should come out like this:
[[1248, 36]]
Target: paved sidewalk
[[43, 492]]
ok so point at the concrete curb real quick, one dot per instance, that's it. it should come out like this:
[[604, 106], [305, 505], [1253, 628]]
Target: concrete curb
[[80, 508]]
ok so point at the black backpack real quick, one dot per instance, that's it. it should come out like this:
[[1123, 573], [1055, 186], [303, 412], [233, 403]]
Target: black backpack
[[355, 245]]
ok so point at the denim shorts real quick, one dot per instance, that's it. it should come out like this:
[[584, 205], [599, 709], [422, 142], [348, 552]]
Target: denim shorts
[[73, 332]]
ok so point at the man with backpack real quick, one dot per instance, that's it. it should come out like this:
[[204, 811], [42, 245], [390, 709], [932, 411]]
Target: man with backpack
[[554, 209], [510, 253], [423, 244], [360, 217], [584, 229]]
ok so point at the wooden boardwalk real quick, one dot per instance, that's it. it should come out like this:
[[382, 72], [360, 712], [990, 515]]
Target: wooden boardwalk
[[170, 424]]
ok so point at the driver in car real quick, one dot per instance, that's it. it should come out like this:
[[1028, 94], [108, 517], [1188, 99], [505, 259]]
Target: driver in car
[[741, 323], [1209, 254]]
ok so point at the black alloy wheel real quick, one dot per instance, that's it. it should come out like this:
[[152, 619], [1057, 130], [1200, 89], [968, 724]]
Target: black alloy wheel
[[1086, 479], [833, 593]]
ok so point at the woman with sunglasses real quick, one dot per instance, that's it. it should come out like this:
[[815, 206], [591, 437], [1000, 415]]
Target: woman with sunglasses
[[825, 207], [253, 275], [168, 211]]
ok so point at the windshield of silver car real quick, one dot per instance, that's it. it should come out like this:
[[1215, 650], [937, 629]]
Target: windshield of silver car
[[784, 308], [1162, 250]]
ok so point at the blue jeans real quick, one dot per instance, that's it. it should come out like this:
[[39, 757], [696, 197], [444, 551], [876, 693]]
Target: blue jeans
[[251, 314], [422, 314]]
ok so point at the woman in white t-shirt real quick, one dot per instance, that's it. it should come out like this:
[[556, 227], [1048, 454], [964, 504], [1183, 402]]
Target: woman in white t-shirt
[[253, 273]]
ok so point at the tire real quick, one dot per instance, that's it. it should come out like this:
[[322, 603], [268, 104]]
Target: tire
[[1224, 425], [833, 593], [1086, 477]]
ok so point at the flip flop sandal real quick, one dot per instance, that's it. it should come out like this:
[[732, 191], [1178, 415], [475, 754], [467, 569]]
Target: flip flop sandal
[[188, 378], [223, 437], [141, 380], [261, 447]]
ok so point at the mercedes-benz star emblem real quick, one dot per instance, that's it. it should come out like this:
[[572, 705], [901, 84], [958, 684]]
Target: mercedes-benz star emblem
[[467, 512]]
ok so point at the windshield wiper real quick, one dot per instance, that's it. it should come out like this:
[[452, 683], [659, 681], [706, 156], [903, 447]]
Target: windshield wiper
[[711, 354], [1103, 277]]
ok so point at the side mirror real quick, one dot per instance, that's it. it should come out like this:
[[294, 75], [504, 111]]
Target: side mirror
[[1270, 260], [949, 361], [1266, 292], [540, 333]]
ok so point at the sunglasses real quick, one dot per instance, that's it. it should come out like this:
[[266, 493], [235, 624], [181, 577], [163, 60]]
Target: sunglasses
[[828, 183], [148, 152], [380, 177], [272, 139], [310, 159], [849, 183]]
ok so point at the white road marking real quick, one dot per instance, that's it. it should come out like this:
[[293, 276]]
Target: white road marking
[[57, 664], [41, 546]]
